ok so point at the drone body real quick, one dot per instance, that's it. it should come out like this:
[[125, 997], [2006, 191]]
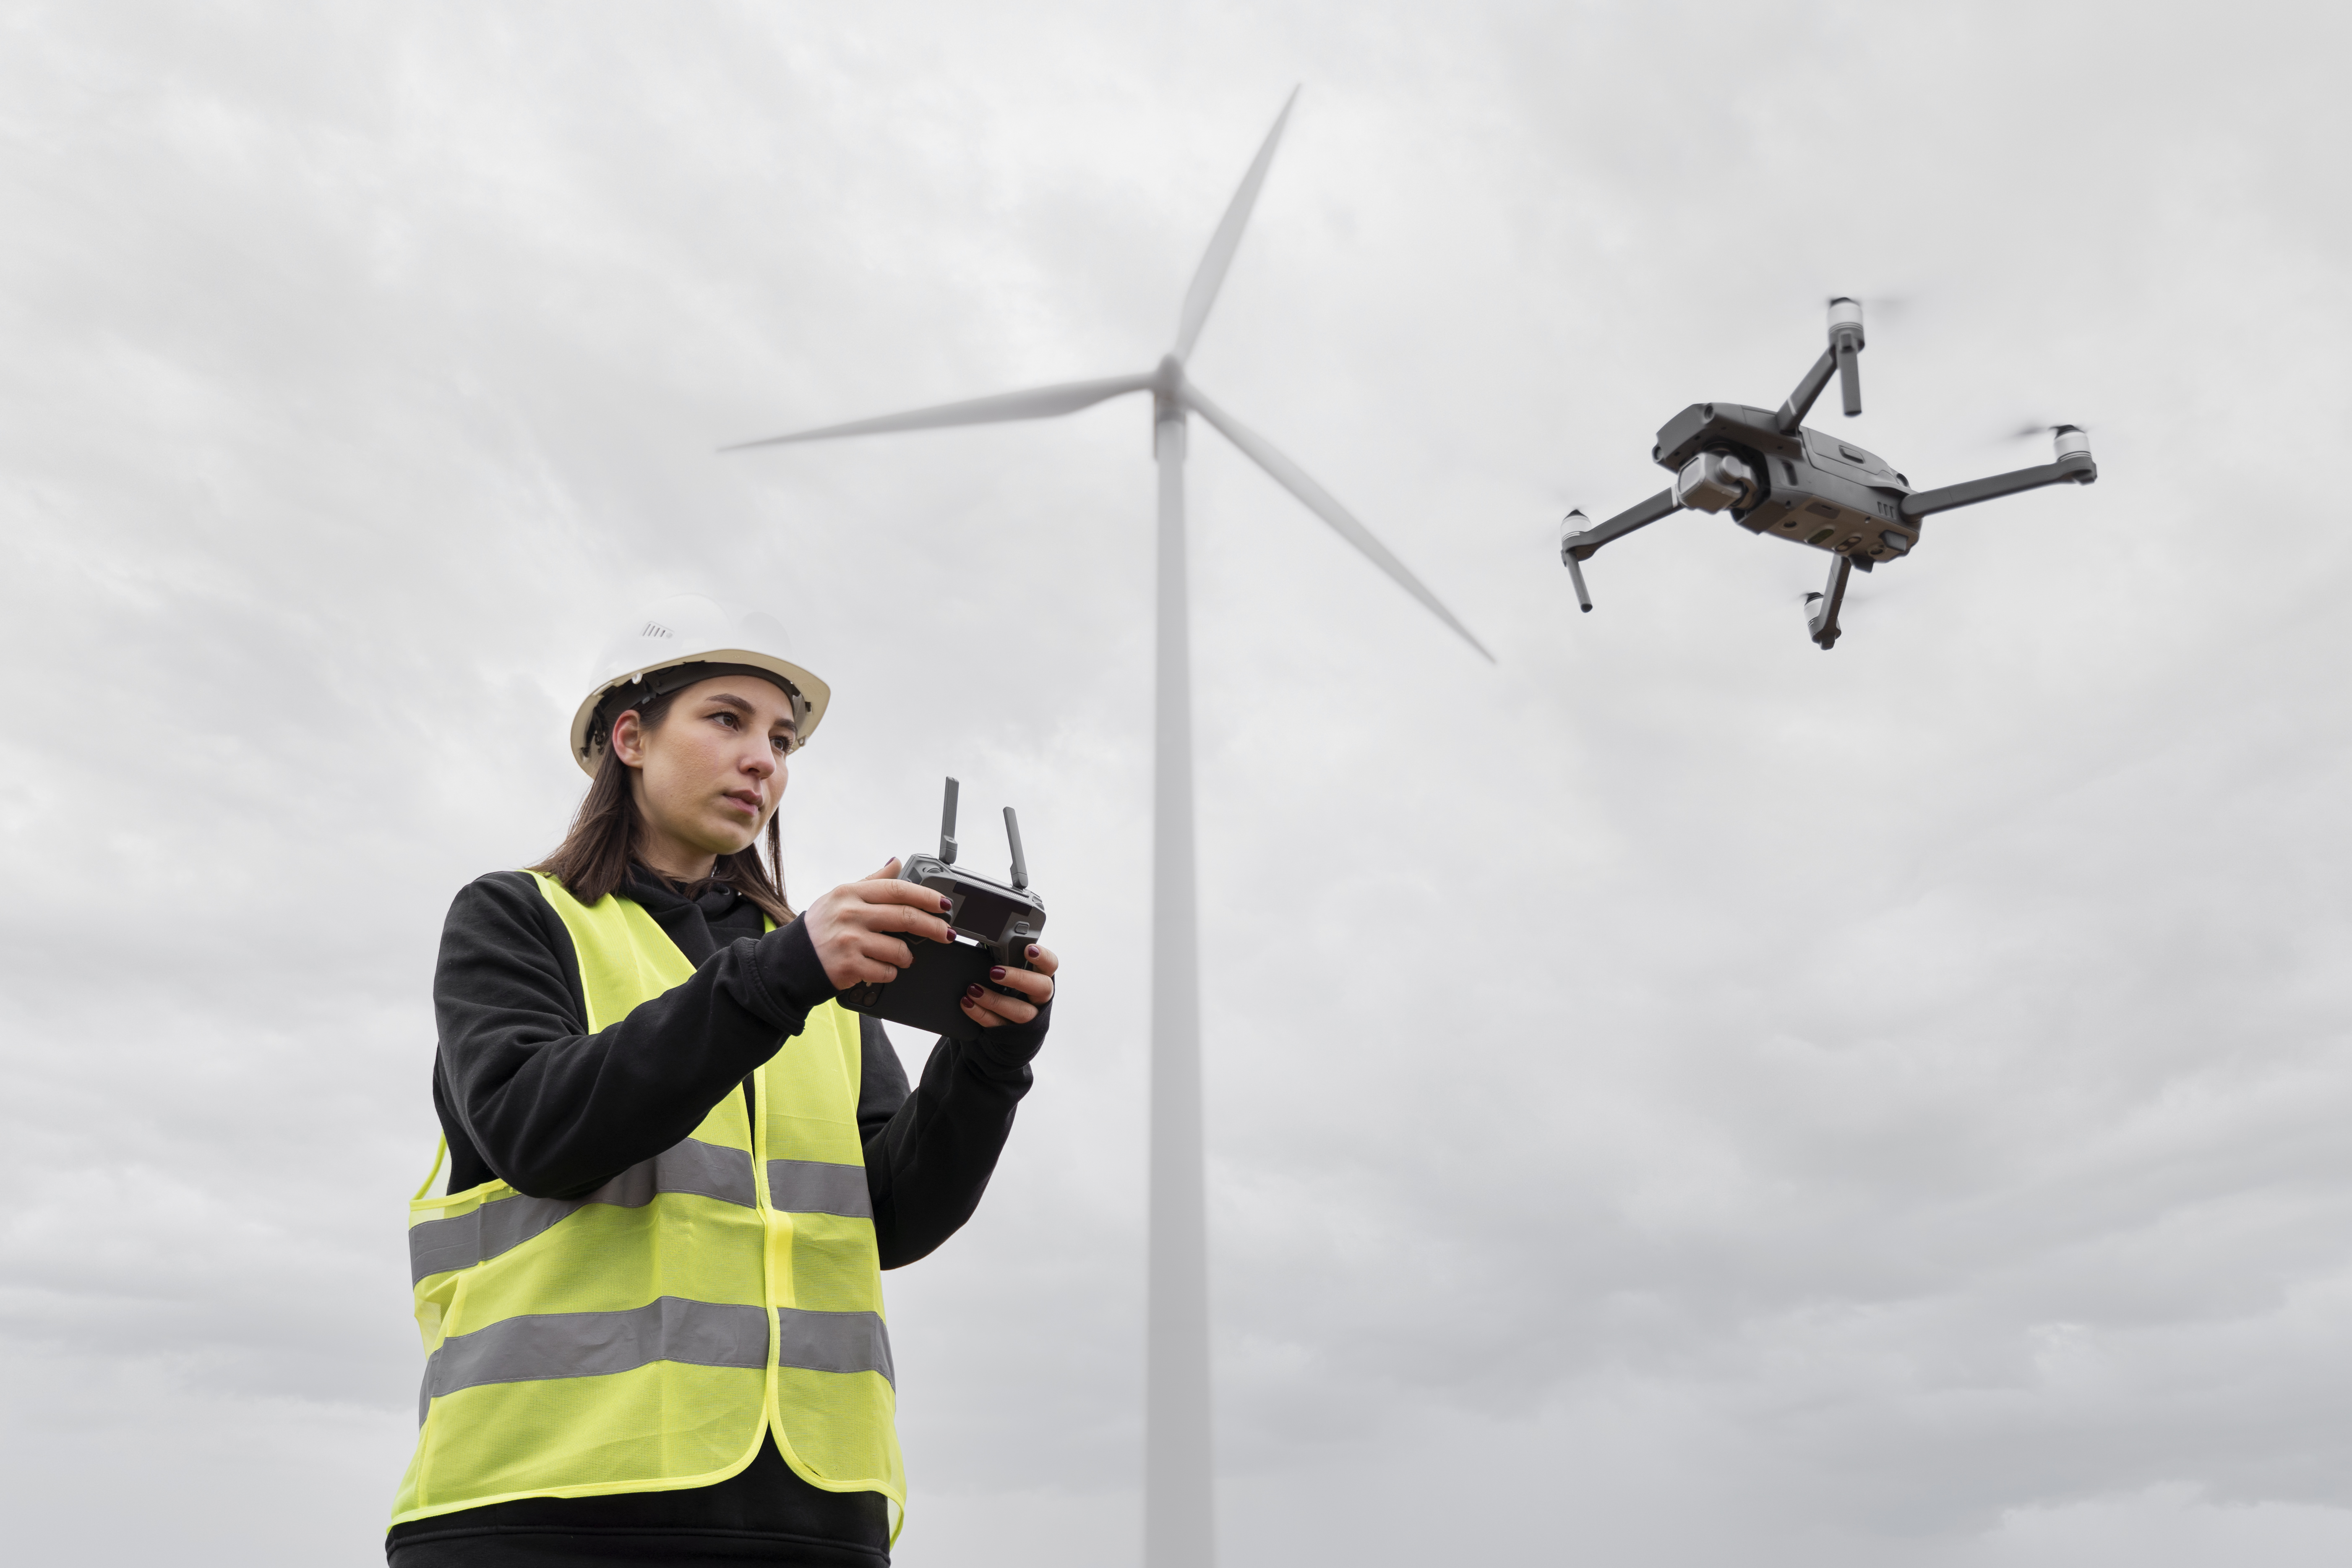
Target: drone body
[[1778, 478]]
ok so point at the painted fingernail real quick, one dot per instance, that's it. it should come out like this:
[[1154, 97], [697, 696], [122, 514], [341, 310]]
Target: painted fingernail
[[946, 904], [1033, 950], [973, 991], [997, 972]]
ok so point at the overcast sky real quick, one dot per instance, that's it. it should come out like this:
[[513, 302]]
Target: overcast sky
[[1675, 1098]]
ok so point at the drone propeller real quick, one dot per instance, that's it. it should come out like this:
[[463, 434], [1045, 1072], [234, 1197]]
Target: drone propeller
[[1882, 307], [2032, 427]]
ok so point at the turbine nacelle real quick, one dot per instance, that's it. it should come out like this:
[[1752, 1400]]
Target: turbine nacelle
[[1168, 391]]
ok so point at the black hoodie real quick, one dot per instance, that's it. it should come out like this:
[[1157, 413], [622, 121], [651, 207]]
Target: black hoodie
[[526, 1094]]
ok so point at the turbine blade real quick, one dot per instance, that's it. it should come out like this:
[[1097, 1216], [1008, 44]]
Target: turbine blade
[[1225, 241], [1037, 403], [1319, 502]]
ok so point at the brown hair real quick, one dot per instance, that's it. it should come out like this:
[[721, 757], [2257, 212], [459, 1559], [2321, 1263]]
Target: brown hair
[[596, 853]]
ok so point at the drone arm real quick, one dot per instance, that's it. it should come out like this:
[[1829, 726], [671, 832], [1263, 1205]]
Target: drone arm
[[1800, 402], [1581, 546], [2075, 467], [1577, 545]]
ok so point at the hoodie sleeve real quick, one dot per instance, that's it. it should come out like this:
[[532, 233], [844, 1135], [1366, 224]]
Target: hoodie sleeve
[[929, 1153], [557, 1111]]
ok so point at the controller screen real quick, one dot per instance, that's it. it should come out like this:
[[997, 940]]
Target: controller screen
[[985, 914]]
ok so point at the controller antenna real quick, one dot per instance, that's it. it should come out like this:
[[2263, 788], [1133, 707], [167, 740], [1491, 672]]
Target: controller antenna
[[1019, 861], [947, 826]]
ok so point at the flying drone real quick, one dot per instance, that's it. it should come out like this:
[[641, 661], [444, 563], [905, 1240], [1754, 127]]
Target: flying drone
[[1777, 477]]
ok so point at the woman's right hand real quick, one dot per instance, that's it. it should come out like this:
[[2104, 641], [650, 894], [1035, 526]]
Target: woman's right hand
[[860, 928]]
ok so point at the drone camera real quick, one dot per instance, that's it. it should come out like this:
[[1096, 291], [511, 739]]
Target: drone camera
[[1716, 481]]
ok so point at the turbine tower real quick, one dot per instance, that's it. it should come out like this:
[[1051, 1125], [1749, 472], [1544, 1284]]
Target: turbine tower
[[1178, 1512]]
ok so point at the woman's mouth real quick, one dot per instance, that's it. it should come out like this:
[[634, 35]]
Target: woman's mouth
[[746, 799]]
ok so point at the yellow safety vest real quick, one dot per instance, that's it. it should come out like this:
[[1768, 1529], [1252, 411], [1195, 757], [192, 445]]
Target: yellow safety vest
[[649, 1336]]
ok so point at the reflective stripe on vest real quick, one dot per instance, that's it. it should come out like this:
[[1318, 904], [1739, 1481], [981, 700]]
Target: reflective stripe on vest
[[834, 1341], [588, 1344], [653, 1333], [596, 1344], [811, 1186], [438, 1244]]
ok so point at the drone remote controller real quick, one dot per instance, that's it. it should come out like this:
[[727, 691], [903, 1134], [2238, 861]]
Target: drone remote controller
[[994, 926]]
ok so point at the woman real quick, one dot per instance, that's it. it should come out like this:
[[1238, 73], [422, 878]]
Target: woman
[[651, 1297]]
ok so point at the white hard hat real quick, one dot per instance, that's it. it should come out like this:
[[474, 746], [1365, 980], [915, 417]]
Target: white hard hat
[[688, 629]]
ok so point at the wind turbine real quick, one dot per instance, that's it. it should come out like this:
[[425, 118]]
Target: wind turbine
[[1178, 1511]]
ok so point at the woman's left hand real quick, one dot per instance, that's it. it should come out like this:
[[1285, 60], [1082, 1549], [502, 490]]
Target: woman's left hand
[[992, 1010]]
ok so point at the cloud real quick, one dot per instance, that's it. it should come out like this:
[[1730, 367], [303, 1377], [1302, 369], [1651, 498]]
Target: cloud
[[1671, 1093]]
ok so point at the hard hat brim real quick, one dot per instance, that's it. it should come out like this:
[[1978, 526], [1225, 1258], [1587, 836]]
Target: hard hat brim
[[814, 694]]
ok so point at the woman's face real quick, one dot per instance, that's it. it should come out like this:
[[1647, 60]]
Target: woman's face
[[710, 774]]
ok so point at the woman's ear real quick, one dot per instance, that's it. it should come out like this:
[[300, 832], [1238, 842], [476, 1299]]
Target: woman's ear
[[629, 740]]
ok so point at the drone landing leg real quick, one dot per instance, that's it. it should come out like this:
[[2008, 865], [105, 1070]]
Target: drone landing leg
[[1577, 547], [1576, 576], [1823, 620]]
